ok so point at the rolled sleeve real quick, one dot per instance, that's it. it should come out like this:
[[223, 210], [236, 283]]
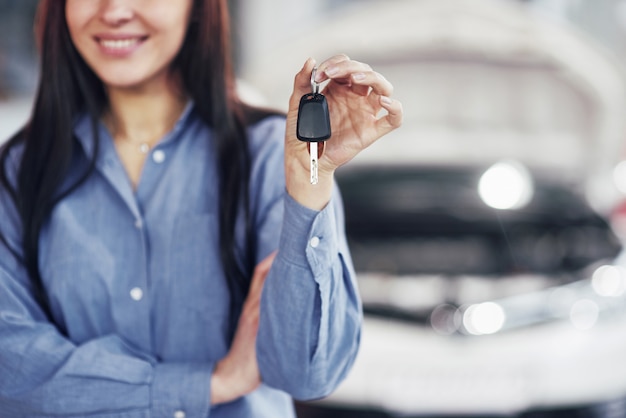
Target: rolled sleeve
[[309, 237], [309, 329]]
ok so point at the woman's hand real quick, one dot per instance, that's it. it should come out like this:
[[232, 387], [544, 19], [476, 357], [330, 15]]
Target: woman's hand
[[237, 374], [356, 95]]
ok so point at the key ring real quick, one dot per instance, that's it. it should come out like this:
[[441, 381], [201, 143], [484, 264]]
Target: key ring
[[315, 86]]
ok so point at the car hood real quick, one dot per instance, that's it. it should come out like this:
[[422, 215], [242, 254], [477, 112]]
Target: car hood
[[480, 81]]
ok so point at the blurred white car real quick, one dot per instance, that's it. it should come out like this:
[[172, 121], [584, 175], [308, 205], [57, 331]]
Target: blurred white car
[[489, 270], [473, 310]]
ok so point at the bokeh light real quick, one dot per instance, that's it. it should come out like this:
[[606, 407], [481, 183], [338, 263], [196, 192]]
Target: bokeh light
[[484, 318], [584, 314], [609, 281], [506, 185]]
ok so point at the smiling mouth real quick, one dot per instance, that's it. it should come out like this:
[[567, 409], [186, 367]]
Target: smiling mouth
[[120, 44]]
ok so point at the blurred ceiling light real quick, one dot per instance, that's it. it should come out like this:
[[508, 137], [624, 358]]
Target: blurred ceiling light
[[506, 185], [485, 318], [619, 176], [584, 314], [609, 281]]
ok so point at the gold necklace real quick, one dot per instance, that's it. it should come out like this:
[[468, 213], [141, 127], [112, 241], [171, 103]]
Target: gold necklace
[[143, 147]]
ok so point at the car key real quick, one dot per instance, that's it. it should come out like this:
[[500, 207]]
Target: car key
[[313, 124]]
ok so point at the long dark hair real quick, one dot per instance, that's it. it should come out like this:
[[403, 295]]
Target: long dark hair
[[68, 86]]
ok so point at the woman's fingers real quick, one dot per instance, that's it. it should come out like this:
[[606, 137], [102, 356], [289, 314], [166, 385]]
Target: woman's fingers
[[258, 280], [356, 74], [261, 269], [368, 83], [393, 119], [341, 70], [379, 84], [356, 97], [331, 62]]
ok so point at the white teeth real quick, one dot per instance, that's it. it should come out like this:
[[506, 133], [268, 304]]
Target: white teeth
[[118, 43]]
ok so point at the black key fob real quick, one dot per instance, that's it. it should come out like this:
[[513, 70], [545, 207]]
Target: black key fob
[[313, 118]]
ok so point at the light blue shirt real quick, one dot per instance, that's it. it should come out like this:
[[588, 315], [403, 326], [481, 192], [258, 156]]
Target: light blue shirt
[[134, 280]]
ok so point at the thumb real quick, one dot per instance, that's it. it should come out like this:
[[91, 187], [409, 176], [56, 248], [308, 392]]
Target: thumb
[[302, 83]]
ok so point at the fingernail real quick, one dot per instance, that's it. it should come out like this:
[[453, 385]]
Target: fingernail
[[358, 76], [385, 99], [331, 71]]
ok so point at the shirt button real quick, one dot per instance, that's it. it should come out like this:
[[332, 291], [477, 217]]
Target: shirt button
[[179, 414], [315, 242], [158, 156], [136, 293], [138, 224]]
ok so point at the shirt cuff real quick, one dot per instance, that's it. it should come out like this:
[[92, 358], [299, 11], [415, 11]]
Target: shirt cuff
[[308, 237], [181, 390]]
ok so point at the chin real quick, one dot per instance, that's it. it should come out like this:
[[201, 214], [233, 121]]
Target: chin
[[127, 77], [126, 82]]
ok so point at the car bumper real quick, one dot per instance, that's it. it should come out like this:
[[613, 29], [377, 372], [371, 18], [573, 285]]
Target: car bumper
[[409, 369]]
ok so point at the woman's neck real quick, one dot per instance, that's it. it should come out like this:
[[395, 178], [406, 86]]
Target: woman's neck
[[143, 115], [138, 118]]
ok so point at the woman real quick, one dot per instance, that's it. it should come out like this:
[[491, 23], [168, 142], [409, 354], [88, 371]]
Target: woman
[[135, 206]]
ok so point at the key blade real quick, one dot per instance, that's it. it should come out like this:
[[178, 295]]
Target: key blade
[[313, 152]]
